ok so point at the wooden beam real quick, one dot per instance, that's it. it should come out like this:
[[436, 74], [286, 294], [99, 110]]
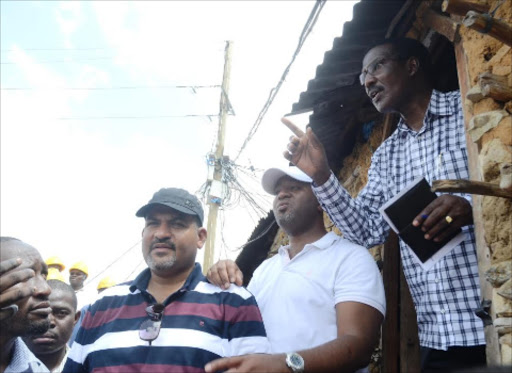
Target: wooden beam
[[441, 24], [471, 187], [486, 24], [462, 7], [495, 86]]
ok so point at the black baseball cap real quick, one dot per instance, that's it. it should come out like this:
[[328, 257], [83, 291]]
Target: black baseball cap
[[175, 198]]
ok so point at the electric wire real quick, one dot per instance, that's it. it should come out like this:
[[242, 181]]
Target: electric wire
[[308, 27], [112, 263]]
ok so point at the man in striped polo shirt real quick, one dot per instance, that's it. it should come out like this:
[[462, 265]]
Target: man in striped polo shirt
[[169, 319]]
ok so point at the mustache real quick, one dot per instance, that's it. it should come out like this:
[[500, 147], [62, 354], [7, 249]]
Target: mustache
[[165, 242]]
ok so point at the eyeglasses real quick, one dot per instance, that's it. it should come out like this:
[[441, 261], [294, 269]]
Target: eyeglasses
[[374, 67], [149, 329]]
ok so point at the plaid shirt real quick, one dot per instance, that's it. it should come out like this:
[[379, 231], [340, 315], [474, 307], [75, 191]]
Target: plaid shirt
[[447, 295]]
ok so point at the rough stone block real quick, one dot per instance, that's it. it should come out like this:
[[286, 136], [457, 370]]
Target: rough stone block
[[505, 290], [506, 339], [493, 154], [503, 325], [502, 70], [502, 306], [475, 94], [503, 132], [499, 273], [485, 105], [484, 122], [506, 354]]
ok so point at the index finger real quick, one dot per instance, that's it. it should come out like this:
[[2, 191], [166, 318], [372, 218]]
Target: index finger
[[221, 364], [7, 265], [296, 130]]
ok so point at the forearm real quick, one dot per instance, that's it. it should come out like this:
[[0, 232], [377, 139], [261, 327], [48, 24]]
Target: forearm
[[359, 222], [344, 354]]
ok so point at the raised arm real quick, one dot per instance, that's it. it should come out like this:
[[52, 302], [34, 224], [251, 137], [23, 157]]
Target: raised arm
[[358, 219]]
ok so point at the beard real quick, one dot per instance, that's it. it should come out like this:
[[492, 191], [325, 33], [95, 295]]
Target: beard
[[22, 326], [286, 219], [160, 264]]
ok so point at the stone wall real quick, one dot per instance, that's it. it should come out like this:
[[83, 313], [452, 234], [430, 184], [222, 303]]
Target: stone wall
[[490, 128]]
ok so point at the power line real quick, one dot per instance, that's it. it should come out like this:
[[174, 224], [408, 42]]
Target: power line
[[55, 49], [308, 27], [113, 262], [193, 87], [209, 116]]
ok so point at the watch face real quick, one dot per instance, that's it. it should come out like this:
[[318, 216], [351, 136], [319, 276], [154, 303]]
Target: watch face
[[296, 360]]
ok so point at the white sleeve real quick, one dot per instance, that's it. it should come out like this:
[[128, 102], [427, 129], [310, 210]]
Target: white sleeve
[[358, 280]]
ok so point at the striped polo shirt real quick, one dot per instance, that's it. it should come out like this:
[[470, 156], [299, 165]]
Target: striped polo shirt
[[201, 323]]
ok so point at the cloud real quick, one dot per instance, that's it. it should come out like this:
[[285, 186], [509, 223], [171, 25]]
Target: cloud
[[69, 18]]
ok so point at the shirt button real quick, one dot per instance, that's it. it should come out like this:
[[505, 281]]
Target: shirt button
[[436, 280], [442, 311]]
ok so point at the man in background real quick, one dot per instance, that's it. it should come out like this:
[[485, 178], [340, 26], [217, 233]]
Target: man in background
[[51, 347], [25, 306]]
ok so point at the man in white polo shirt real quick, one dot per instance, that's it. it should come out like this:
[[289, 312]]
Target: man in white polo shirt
[[321, 297]]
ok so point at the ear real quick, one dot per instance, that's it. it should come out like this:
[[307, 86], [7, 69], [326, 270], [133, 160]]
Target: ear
[[77, 316], [202, 234], [413, 66]]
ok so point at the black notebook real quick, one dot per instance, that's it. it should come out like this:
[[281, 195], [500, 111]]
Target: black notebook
[[401, 210]]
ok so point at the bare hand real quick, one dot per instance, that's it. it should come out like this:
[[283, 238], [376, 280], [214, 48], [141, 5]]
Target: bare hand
[[8, 295], [250, 363], [433, 218], [307, 153], [224, 273]]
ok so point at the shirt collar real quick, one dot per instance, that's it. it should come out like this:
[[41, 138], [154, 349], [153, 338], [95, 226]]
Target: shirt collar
[[323, 243], [142, 280], [23, 360], [439, 105]]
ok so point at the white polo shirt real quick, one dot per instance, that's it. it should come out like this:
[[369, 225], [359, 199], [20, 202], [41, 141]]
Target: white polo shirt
[[297, 297]]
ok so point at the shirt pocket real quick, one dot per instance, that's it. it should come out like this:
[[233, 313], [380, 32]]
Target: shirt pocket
[[451, 164]]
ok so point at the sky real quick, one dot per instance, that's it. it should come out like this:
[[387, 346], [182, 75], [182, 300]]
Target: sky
[[92, 122]]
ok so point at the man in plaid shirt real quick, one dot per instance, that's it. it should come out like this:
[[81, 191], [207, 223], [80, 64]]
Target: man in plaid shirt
[[430, 142]]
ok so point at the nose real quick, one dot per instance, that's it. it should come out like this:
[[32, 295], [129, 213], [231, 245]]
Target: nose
[[163, 232], [51, 318], [42, 289], [369, 81], [282, 193]]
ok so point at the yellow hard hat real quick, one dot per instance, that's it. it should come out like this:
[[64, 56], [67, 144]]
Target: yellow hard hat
[[81, 266], [106, 282], [54, 274], [55, 260]]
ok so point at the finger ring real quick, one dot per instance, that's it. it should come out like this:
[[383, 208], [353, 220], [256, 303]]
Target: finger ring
[[448, 219]]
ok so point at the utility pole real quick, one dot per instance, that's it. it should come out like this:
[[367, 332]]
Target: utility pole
[[216, 186]]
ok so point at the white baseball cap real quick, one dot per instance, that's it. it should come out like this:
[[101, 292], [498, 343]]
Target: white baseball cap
[[272, 175]]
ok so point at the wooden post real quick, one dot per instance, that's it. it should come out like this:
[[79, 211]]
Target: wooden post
[[442, 24], [483, 254], [217, 175], [462, 7], [391, 326], [486, 24], [409, 340]]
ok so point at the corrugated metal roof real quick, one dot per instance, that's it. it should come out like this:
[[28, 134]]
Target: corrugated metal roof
[[339, 103]]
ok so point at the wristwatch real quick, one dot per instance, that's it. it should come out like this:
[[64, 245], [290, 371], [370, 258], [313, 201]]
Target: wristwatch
[[295, 362]]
